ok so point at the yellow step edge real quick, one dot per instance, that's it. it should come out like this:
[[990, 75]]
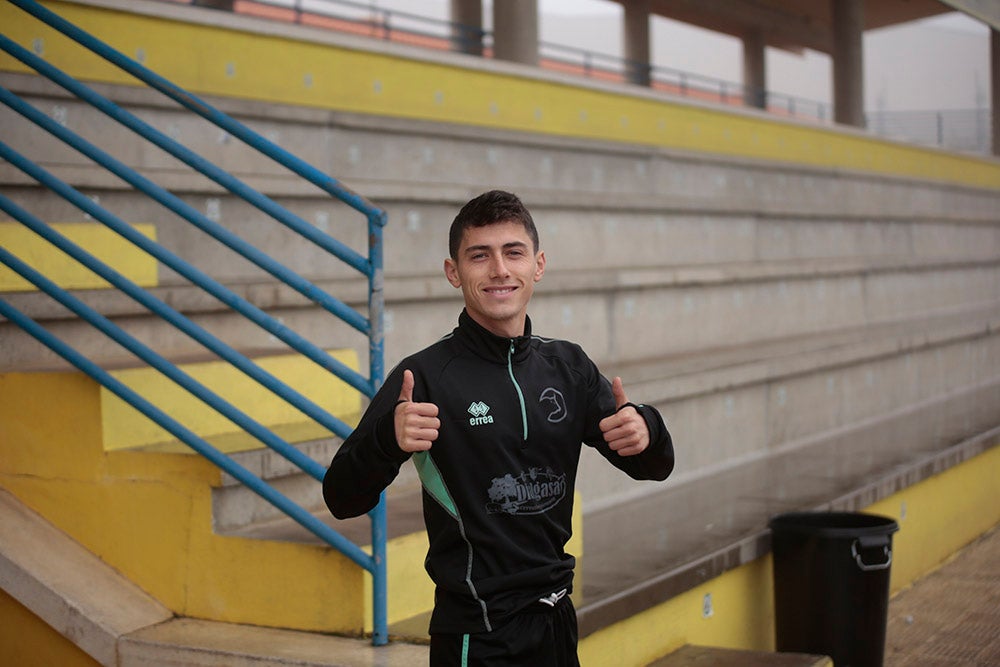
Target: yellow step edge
[[236, 62], [98, 240], [124, 427]]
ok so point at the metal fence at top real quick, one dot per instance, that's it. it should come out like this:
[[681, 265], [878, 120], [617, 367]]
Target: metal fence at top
[[961, 130], [369, 20]]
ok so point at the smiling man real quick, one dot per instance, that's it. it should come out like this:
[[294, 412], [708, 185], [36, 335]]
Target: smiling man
[[494, 418]]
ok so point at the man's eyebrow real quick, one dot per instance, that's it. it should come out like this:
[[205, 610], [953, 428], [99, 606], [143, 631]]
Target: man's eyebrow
[[506, 246]]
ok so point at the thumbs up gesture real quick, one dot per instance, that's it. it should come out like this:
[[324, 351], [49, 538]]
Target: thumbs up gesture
[[625, 431], [416, 424]]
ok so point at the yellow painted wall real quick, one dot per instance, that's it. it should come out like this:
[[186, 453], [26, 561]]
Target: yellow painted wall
[[219, 61], [149, 516], [28, 641], [65, 271], [942, 514]]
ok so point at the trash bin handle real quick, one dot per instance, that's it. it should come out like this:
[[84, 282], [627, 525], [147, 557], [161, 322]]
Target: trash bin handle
[[869, 567]]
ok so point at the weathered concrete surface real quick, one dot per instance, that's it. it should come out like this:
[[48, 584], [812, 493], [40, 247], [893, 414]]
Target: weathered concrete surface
[[674, 270]]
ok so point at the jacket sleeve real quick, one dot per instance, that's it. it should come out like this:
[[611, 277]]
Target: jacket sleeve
[[656, 462], [369, 459]]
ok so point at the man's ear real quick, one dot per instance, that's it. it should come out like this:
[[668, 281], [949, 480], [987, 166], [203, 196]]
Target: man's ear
[[540, 269], [451, 272]]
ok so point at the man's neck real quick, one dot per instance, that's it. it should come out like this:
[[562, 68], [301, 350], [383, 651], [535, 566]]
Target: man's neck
[[512, 328]]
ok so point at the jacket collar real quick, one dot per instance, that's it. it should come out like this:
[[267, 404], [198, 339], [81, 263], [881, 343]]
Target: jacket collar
[[487, 344]]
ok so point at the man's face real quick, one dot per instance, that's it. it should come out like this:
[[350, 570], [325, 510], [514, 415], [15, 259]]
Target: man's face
[[497, 268]]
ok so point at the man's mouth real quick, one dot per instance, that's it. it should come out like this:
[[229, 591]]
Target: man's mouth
[[499, 291]]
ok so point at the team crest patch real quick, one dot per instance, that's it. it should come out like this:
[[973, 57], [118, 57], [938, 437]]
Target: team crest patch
[[534, 491]]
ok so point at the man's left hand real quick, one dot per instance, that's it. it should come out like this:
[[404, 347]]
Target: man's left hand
[[625, 431]]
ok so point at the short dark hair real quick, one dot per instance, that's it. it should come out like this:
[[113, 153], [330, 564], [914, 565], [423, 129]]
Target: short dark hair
[[490, 208]]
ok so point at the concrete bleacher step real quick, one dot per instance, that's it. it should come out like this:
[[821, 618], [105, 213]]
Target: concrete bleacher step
[[124, 428], [708, 656], [643, 553], [235, 507], [699, 526], [681, 375]]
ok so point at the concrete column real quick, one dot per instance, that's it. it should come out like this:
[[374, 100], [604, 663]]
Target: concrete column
[[515, 31], [754, 70], [848, 62], [635, 29], [467, 28], [995, 87]]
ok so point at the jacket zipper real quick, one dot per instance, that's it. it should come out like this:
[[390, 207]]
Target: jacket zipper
[[520, 396]]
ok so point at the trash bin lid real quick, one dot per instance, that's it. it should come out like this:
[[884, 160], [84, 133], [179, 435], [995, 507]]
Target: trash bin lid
[[834, 524]]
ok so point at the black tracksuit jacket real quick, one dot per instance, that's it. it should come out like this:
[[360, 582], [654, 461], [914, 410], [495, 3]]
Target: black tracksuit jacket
[[498, 482]]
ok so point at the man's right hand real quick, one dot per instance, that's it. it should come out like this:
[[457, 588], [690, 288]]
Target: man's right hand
[[416, 424]]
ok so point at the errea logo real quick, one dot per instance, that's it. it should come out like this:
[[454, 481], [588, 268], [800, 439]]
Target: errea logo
[[479, 412]]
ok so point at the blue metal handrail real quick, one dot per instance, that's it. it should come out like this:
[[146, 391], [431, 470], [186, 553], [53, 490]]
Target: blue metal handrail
[[200, 220], [174, 427], [184, 324], [370, 266]]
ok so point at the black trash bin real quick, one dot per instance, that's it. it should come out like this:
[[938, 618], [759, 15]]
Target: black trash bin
[[831, 584]]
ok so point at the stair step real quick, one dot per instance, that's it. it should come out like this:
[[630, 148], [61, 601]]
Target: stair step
[[708, 656], [235, 506], [192, 642], [412, 629], [126, 428], [238, 511], [405, 517], [98, 240], [67, 586], [678, 376]]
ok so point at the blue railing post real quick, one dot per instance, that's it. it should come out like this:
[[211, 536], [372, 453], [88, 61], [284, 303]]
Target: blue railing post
[[376, 342]]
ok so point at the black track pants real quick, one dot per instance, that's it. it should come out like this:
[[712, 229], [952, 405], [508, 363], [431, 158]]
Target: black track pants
[[539, 635]]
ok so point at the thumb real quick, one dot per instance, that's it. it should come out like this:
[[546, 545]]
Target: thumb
[[406, 392], [619, 393]]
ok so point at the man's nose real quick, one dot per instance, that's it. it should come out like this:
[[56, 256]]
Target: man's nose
[[499, 267]]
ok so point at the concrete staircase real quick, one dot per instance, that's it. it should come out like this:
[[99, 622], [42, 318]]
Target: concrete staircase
[[75, 455], [113, 622]]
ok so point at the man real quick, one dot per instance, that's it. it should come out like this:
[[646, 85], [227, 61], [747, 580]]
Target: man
[[493, 418]]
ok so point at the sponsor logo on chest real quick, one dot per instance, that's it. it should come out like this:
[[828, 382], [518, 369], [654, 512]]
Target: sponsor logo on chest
[[532, 491], [480, 414]]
